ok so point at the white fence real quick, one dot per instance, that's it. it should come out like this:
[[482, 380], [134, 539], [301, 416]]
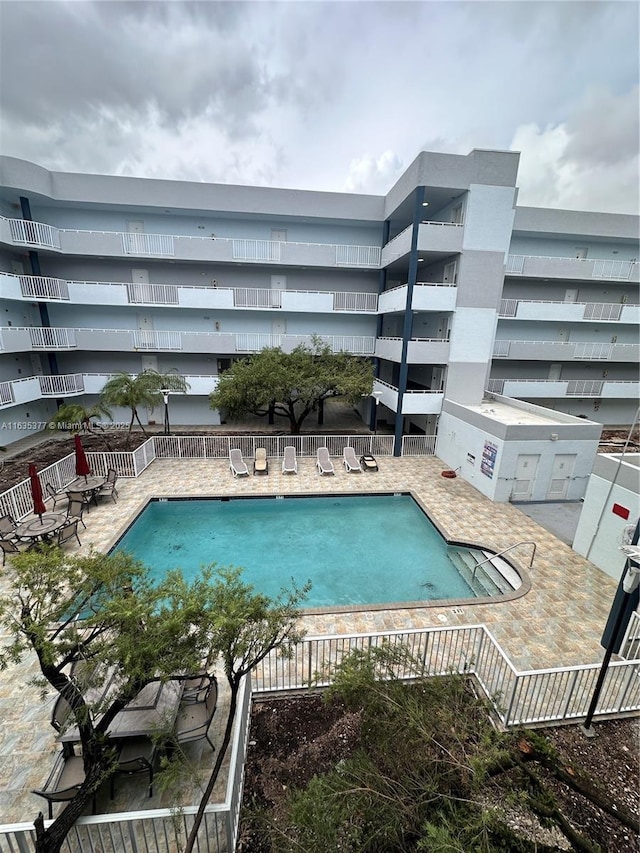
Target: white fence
[[148, 244], [152, 294], [34, 233], [58, 386], [41, 287], [46, 337], [546, 696]]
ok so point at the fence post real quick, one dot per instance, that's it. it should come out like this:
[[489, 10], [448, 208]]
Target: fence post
[[572, 688], [507, 716]]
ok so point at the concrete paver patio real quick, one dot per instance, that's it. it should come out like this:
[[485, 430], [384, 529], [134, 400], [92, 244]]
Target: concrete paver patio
[[558, 622]]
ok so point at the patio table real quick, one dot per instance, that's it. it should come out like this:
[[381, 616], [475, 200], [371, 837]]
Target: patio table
[[87, 486], [41, 527]]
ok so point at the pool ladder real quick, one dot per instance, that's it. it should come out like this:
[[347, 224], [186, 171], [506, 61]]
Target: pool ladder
[[489, 559]]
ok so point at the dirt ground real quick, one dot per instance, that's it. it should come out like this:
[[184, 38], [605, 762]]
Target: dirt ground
[[293, 739]]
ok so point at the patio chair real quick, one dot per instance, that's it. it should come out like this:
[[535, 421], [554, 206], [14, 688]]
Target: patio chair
[[289, 461], [136, 755], [261, 463], [7, 527], [350, 461], [109, 486], [237, 464], [75, 510], [8, 546], [53, 494], [61, 713], [194, 718], [64, 781], [83, 498], [368, 462], [195, 687], [68, 532], [323, 461]]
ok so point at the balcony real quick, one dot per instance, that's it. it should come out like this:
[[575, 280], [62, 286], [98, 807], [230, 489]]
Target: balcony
[[427, 296], [422, 402], [534, 266], [569, 312], [442, 237], [28, 287], [419, 350], [565, 351], [25, 339], [561, 388], [18, 391], [18, 232]]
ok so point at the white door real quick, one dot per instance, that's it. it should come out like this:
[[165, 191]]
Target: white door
[[571, 294], [278, 328], [444, 327], [561, 472], [135, 226], [140, 276], [526, 469], [279, 235], [437, 379], [17, 267], [555, 371], [278, 283], [450, 272], [36, 364], [149, 362], [145, 322], [563, 334]]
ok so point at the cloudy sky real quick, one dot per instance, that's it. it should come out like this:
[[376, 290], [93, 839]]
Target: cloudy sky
[[326, 95]]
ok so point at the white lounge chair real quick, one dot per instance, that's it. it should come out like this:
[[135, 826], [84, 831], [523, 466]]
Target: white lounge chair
[[289, 461], [237, 465], [323, 461], [351, 460], [261, 463]]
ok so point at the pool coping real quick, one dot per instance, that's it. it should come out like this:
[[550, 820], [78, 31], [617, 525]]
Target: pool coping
[[522, 590]]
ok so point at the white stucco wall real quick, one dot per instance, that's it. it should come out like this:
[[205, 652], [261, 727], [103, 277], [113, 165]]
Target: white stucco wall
[[600, 530]]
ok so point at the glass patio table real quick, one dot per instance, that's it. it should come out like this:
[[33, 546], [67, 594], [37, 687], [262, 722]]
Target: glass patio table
[[41, 527]]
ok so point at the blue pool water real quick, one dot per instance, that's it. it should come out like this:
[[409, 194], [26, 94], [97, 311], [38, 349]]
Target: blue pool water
[[354, 550]]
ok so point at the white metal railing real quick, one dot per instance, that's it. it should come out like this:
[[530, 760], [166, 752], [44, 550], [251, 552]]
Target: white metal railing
[[592, 351], [147, 244], [42, 287], [46, 337], [432, 284], [358, 256], [34, 233], [630, 646], [508, 307], [256, 250], [602, 311], [152, 340], [584, 387], [532, 697], [419, 445], [345, 301], [501, 349], [57, 386], [257, 297], [154, 294], [496, 386], [6, 393], [593, 267], [446, 224]]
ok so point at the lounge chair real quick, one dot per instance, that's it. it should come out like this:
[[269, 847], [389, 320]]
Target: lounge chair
[[289, 461], [368, 462], [237, 464], [351, 460], [323, 461], [260, 463]]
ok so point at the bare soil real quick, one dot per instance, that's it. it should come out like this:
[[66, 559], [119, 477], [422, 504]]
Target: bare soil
[[295, 738]]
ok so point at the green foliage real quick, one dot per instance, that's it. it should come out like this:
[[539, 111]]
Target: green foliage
[[291, 384], [73, 417], [145, 389]]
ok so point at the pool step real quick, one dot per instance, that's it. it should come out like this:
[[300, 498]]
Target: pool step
[[489, 578]]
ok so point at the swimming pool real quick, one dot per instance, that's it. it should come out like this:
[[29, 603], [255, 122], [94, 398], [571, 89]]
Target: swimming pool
[[355, 550]]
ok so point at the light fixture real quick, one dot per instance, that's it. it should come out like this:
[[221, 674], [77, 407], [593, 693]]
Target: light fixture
[[420, 260], [554, 436], [425, 204]]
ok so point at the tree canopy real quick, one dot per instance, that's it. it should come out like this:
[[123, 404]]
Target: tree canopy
[[105, 612], [143, 389], [291, 384]]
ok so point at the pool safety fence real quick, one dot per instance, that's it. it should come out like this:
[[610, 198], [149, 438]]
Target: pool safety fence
[[529, 698], [17, 501]]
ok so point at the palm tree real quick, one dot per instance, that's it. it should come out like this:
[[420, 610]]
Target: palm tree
[[74, 417], [143, 389]]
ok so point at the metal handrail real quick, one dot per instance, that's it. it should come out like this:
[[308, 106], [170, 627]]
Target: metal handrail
[[488, 560]]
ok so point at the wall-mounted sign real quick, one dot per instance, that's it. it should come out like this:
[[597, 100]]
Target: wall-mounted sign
[[471, 459], [488, 463]]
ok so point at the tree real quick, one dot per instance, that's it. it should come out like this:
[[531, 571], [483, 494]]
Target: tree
[[144, 389], [246, 627], [73, 417], [103, 610], [291, 384]]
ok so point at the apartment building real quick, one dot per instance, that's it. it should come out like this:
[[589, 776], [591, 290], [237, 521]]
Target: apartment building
[[445, 282]]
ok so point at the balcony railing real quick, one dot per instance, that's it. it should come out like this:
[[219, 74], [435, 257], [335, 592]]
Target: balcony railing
[[29, 233], [256, 250], [548, 265], [357, 256], [557, 388], [50, 338], [584, 387], [59, 386], [565, 350], [41, 287], [152, 294], [148, 244], [590, 310], [152, 340], [6, 393]]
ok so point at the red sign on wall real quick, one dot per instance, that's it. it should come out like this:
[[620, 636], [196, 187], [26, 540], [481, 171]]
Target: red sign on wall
[[620, 510]]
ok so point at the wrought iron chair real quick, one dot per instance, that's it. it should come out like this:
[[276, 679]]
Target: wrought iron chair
[[64, 781], [136, 756]]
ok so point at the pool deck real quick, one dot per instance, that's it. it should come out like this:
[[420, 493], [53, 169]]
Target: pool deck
[[558, 622]]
